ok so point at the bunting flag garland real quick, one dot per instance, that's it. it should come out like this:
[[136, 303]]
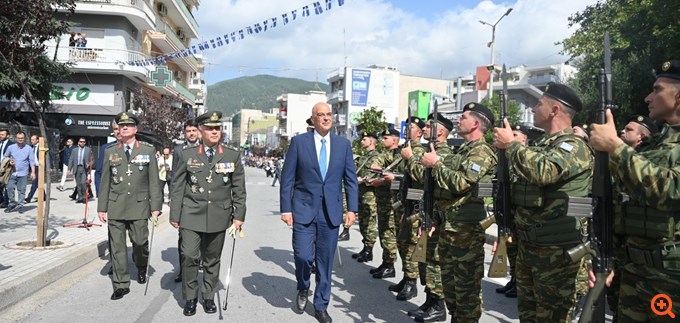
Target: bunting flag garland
[[232, 37]]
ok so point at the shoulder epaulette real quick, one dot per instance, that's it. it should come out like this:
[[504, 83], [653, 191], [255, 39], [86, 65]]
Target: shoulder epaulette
[[146, 144], [230, 147]]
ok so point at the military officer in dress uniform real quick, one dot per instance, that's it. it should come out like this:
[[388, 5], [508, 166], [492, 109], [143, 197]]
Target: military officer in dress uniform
[[130, 193], [208, 196]]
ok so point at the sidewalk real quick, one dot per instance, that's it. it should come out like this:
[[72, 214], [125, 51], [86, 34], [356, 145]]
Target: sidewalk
[[24, 271]]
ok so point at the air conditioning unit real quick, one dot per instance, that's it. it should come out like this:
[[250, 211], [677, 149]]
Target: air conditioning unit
[[181, 34], [177, 75], [162, 10]]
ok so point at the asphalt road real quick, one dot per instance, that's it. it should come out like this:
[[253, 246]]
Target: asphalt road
[[262, 288]]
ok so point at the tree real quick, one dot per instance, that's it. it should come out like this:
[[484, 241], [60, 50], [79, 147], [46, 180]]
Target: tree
[[643, 34], [25, 70], [514, 115], [160, 116], [371, 120]]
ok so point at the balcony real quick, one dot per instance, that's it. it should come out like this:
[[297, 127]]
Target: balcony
[[181, 16], [102, 60], [165, 37], [137, 11], [179, 87], [337, 96], [335, 75]]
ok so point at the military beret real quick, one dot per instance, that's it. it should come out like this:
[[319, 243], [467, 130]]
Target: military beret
[[369, 134], [522, 129], [127, 118], [448, 124], [210, 119], [309, 122], [418, 121], [480, 109], [670, 69], [645, 122], [391, 132], [564, 95]]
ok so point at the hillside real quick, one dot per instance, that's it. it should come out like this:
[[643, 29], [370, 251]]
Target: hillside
[[255, 92]]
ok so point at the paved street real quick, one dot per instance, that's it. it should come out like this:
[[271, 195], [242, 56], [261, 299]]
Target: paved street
[[263, 282]]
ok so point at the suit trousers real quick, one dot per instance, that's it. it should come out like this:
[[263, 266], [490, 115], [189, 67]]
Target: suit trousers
[[315, 241], [138, 231], [196, 247], [80, 177]]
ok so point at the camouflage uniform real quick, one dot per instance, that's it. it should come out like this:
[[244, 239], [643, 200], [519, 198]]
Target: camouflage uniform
[[407, 234], [433, 278], [558, 166], [386, 216], [368, 207], [650, 224], [461, 237]]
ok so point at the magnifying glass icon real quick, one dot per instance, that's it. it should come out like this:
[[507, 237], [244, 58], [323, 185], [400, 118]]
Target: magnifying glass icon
[[661, 305]]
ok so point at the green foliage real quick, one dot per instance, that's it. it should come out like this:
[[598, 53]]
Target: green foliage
[[643, 34], [256, 92], [514, 113], [371, 120]]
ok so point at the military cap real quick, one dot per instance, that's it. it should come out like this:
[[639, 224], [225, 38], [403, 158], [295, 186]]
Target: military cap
[[448, 124], [645, 122], [564, 95], [391, 132], [369, 134], [126, 118], [670, 69], [309, 122], [418, 121], [210, 119], [522, 129], [481, 110]]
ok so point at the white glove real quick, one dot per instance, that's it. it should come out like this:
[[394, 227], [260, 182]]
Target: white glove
[[232, 231], [154, 220]]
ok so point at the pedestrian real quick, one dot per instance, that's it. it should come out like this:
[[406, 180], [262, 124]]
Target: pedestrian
[[65, 158], [277, 171], [165, 170], [130, 195], [34, 183], [649, 220], [4, 145], [317, 165], [208, 196], [557, 166], [80, 164], [21, 157]]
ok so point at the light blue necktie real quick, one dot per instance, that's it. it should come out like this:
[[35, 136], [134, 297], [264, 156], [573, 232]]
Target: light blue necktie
[[322, 158]]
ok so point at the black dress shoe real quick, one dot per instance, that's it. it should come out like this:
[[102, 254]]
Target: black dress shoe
[[119, 293], [209, 306], [344, 236], [301, 300], [322, 317], [387, 272], [141, 276], [80, 202], [27, 200], [190, 307], [178, 278]]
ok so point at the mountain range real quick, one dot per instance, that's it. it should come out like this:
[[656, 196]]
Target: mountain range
[[255, 92]]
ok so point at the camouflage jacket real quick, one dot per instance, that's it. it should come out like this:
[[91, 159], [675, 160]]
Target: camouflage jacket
[[384, 160], [416, 169], [363, 163]]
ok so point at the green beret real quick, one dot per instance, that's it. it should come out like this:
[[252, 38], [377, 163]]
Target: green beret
[[418, 121], [369, 134], [448, 124], [480, 109], [210, 119], [127, 118], [391, 132], [670, 69], [645, 122], [564, 95]]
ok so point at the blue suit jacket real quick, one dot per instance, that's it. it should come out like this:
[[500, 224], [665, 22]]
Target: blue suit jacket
[[303, 190]]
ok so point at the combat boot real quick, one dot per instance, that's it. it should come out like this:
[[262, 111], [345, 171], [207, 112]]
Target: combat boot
[[397, 287], [379, 268], [386, 272], [368, 256], [422, 308], [510, 285], [360, 253], [409, 291], [435, 313], [512, 292]]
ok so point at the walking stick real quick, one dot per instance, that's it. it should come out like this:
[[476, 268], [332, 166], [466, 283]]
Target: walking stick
[[231, 261], [153, 228], [337, 248]]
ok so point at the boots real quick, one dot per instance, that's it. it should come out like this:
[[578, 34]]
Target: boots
[[421, 309], [375, 270], [361, 253], [397, 287], [386, 272], [344, 236], [436, 312], [512, 292], [367, 256], [510, 285], [409, 291]]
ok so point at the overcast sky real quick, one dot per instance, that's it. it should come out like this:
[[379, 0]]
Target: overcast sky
[[431, 38]]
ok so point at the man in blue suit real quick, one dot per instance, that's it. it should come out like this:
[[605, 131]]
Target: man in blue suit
[[317, 164]]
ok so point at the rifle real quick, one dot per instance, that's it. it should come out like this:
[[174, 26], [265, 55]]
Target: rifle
[[599, 244], [405, 182], [427, 202], [501, 199]]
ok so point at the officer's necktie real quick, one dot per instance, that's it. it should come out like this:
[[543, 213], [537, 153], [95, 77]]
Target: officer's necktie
[[210, 152], [323, 158], [127, 152]]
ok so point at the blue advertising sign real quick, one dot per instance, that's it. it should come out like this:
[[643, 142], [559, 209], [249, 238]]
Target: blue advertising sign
[[360, 82], [402, 129]]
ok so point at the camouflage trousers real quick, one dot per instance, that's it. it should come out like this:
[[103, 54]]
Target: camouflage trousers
[[387, 230], [617, 266], [545, 283], [433, 273], [406, 243], [461, 257], [639, 285], [368, 212], [512, 255]]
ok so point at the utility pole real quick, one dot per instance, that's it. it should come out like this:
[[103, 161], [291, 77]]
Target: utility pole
[[491, 45]]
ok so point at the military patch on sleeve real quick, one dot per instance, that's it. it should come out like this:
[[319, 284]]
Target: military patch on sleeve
[[476, 168], [566, 147]]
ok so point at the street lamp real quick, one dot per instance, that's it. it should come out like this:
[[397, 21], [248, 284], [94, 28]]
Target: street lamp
[[491, 43]]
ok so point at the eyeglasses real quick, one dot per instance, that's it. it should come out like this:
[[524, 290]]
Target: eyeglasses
[[83, 141]]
